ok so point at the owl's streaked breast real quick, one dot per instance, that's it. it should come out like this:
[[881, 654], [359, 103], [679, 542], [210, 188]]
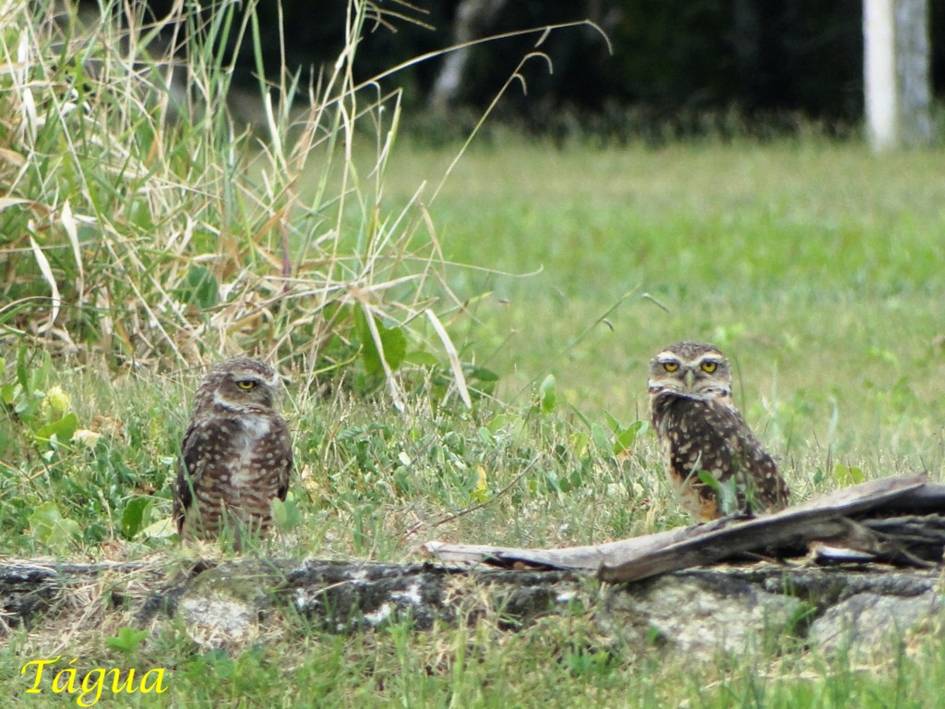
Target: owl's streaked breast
[[236, 453]]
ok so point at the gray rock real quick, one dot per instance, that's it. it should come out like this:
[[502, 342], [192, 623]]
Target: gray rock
[[221, 607], [217, 623], [344, 596], [867, 624], [696, 615]]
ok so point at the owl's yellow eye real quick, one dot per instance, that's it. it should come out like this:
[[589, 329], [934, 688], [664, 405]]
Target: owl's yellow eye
[[670, 366], [246, 384], [709, 367]]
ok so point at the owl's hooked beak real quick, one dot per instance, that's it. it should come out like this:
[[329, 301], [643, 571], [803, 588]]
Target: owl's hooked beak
[[690, 378]]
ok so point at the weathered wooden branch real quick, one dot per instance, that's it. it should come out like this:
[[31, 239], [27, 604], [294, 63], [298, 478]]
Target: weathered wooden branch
[[848, 519]]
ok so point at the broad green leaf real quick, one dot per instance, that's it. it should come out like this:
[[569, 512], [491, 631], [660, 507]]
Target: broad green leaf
[[286, 514], [707, 478], [424, 359], [613, 423], [480, 492], [482, 374], [483, 380], [600, 437], [625, 438], [22, 375], [499, 422], [848, 475], [61, 429], [48, 526], [393, 340], [548, 394], [726, 490], [161, 529], [133, 516], [127, 640], [579, 441]]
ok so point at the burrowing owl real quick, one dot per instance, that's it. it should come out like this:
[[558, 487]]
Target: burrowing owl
[[236, 455], [700, 428]]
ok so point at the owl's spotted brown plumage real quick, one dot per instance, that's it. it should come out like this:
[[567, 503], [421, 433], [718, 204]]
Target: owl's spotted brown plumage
[[691, 402], [236, 455]]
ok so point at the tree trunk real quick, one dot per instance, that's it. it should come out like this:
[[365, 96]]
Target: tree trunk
[[897, 61], [472, 17]]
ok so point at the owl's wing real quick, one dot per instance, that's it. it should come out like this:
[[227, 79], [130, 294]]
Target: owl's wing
[[768, 486], [189, 470], [285, 443]]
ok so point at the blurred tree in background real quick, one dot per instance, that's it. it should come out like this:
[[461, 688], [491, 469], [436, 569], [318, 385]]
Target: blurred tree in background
[[677, 65]]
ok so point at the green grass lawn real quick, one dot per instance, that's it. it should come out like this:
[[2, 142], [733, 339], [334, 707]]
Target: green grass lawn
[[815, 266]]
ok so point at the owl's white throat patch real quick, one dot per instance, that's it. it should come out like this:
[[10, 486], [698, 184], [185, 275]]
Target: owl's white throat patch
[[256, 426], [660, 389]]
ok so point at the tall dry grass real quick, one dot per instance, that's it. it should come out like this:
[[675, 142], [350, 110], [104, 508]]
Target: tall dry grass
[[140, 219]]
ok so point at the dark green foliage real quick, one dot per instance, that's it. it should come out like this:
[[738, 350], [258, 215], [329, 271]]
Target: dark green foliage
[[127, 640], [678, 67], [199, 288], [393, 343]]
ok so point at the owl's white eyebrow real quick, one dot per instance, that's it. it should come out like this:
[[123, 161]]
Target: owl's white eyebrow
[[666, 357], [221, 400]]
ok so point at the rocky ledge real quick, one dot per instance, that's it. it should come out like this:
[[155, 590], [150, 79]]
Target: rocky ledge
[[858, 607]]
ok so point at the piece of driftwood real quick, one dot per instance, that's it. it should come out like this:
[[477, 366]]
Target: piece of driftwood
[[824, 519], [587, 558], [847, 519], [914, 540]]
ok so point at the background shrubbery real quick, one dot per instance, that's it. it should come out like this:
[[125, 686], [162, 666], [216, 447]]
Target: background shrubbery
[[679, 67]]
